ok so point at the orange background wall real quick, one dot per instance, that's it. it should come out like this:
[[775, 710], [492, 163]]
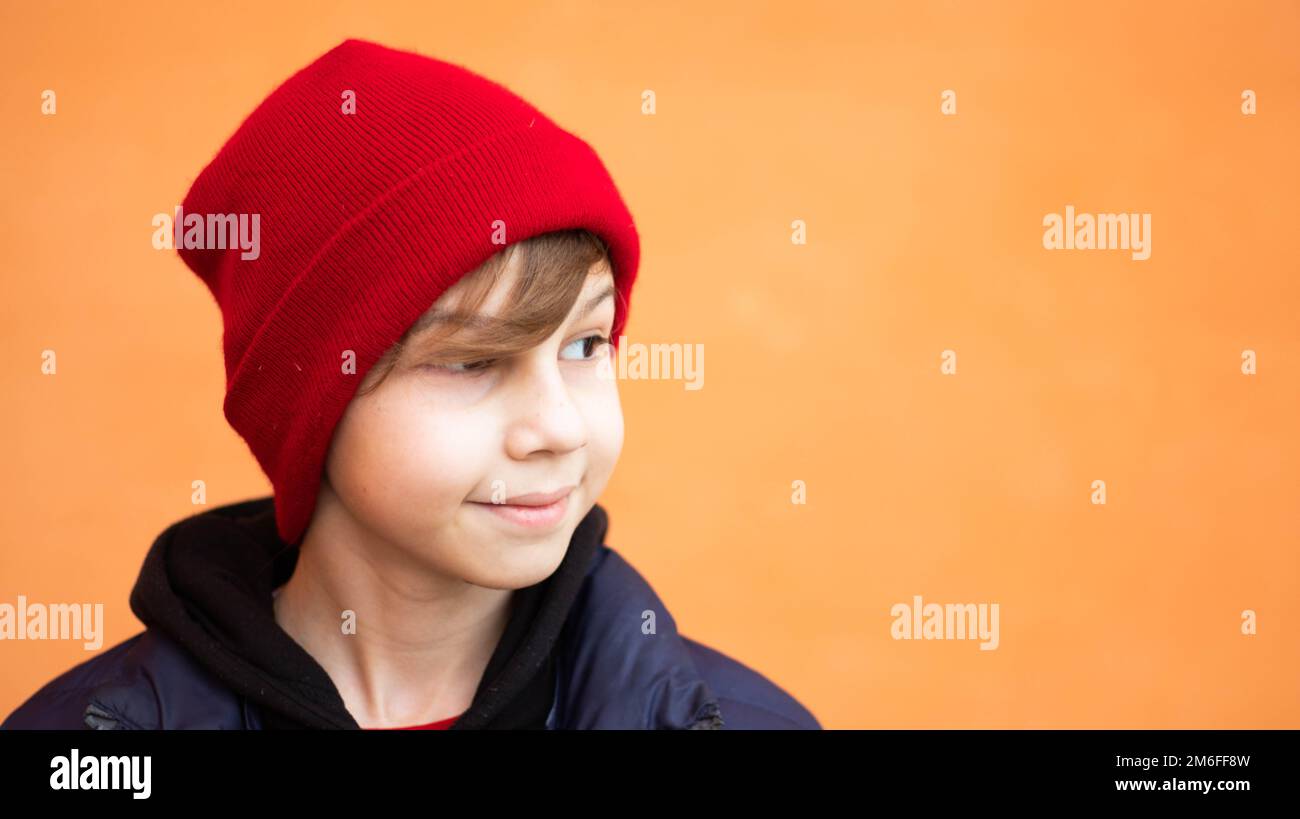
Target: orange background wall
[[822, 360]]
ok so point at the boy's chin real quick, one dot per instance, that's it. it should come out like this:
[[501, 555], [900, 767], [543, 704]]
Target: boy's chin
[[516, 563]]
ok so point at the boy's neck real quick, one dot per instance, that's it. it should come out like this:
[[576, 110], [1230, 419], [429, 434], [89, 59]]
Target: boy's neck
[[403, 647]]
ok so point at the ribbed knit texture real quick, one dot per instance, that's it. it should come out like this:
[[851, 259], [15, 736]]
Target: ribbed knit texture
[[365, 220]]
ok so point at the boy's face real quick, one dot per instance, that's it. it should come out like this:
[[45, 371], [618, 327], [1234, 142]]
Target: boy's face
[[414, 466]]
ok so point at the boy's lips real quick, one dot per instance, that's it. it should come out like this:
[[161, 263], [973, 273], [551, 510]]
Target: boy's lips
[[537, 498], [534, 510]]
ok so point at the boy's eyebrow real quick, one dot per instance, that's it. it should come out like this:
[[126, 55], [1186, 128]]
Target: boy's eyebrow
[[435, 316], [594, 301]]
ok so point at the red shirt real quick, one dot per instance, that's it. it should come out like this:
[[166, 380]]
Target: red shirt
[[440, 725]]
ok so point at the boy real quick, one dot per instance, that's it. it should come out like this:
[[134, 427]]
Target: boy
[[418, 352]]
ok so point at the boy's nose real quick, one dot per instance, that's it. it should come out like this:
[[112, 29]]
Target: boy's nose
[[544, 416]]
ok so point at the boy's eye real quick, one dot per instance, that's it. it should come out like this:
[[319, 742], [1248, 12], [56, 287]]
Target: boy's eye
[[590, 344], [465, 367]]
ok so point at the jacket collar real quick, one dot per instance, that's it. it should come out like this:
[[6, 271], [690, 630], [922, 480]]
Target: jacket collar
[[592, 646]]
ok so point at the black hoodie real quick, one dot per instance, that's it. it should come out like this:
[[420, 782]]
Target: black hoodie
[[593, 643], [213, 597]]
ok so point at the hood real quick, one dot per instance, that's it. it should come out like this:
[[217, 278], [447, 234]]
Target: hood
[[207, 584]]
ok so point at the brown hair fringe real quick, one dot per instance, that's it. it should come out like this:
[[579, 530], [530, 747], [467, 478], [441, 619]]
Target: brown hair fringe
[[554, 268]]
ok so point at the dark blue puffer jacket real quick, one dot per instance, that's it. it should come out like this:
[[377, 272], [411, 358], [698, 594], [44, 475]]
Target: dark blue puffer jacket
[[574, 655]]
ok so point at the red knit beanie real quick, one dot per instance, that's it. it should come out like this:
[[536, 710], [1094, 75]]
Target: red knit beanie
[[373, 180]]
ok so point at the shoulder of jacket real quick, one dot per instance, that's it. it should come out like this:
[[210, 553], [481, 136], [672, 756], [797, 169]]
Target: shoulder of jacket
[[61, 702], [748, 699], [146, 681]]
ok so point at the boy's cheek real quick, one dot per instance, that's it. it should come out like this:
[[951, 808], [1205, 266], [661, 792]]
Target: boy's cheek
[[404, 465], [606, 421], [605, 444]]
